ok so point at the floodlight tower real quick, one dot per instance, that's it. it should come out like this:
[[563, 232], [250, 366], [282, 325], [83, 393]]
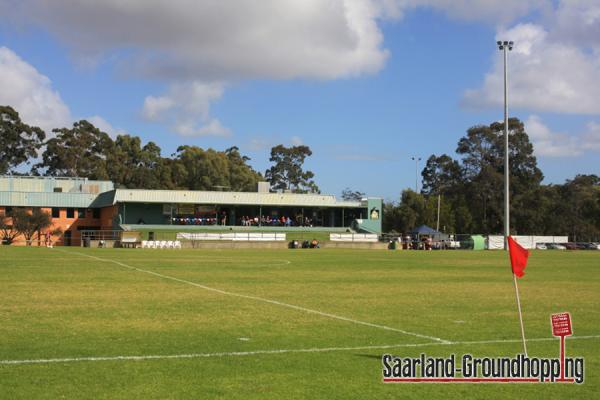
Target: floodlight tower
[[506, 46], [416, 160]]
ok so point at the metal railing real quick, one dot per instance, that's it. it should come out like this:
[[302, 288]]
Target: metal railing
[[100, 235]]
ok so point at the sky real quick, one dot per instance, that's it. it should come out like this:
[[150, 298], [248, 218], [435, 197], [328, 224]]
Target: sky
[[366, 84]]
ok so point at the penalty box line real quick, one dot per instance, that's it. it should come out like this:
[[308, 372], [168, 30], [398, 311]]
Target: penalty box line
[[270, 352], [262, 299]]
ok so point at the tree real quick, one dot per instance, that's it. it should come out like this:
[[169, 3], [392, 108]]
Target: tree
[[472, 187], [202, 169], [20, 142], [132, 166], [197, 169], [482, 152], [287, 173], [9, 232], [28, 223], [579, 207], [352, 195], [24, 222], [242, 177], [79, 151], [441, 175]]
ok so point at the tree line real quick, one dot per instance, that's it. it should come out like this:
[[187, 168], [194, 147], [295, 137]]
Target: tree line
[[84, 150], [471, 191], [469, 185]]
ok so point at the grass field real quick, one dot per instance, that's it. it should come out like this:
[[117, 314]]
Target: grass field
[[279, 324]]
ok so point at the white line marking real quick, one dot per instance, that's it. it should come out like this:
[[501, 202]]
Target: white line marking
[[256, 298], [267, 352]]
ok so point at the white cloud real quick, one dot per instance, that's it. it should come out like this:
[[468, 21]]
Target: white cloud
[[155, 107], [296, 141], [188, 41], [554, 66], [558, 144], [220, 40], [259, 143], [185, 108], [548, 143], [591, 137], [578, 22], [266, 142], [105, 126], [30, 93], [544, 75], [184, 42], [211, 128]]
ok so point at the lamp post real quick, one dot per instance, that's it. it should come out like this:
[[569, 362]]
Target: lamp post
[[416, 160], [505, 47]]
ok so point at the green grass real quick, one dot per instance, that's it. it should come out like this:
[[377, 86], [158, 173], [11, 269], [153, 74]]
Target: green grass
[[60, 304]]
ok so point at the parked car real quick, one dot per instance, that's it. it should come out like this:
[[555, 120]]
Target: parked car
[[541, 246], [570, 246], [555, 246], [592, 246], [582, 246]]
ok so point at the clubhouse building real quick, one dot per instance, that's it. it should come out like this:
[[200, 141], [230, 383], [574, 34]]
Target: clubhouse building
[[80, 204]]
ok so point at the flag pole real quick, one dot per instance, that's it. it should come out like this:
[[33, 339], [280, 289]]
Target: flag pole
[[520, 314]]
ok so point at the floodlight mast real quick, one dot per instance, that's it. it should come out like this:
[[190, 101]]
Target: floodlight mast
[[506, 46]]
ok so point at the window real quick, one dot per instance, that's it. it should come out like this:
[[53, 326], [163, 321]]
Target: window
[[96, 213], [7, 210], [57, 190], [70, 213], [55, 212], [81, 213]]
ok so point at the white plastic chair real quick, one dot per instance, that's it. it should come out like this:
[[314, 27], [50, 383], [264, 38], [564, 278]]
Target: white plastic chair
[[169, 244], [177, 244], [144, 244]]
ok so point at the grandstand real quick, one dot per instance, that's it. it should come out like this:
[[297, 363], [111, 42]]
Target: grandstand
[[80, 205]]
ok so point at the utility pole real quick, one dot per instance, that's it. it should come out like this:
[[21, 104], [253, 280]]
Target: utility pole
[[437, 227]]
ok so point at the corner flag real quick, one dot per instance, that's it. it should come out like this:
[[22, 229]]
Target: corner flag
[[518, 257], [518, 261]]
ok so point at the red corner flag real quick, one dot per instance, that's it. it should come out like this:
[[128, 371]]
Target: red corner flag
[[518, 257]]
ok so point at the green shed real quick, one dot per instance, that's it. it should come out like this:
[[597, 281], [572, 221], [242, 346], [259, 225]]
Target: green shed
[[473, 242]]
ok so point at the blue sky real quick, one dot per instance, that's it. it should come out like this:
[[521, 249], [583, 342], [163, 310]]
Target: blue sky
[[366, 84]]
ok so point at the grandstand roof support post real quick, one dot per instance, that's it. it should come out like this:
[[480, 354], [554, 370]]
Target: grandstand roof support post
[[260, 215], [343, 218]]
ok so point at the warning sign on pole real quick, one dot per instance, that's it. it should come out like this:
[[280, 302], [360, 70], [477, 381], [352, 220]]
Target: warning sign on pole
[[561, 324]]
